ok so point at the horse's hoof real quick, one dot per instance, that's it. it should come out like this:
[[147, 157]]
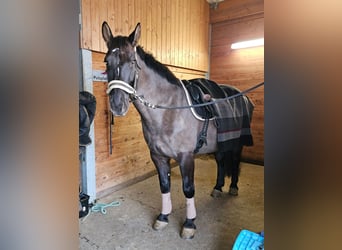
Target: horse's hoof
[[216, 193], [188, 233], [159, 225], [233, 191]]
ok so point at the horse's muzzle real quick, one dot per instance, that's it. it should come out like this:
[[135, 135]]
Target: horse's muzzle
[[119, 102]]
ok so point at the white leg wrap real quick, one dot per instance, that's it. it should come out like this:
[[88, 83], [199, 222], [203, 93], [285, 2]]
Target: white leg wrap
[[190, 208], [166, 203]]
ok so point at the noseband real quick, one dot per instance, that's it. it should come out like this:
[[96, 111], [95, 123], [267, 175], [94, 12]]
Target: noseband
[[118, 84]]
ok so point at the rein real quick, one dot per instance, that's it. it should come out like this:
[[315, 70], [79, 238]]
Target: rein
[[118, 84]]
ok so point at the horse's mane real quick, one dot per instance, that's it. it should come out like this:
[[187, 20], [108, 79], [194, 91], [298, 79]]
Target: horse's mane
[[156, 66]]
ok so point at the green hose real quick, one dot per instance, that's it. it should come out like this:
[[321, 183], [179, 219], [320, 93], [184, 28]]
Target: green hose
[[101, 207]]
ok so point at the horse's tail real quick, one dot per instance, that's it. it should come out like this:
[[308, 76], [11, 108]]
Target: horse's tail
[[230, 161]]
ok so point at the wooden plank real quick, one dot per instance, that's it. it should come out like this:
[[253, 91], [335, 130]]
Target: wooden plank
[[234, 9], [131, 16], [182, 34], [192, 41], [168, 59], [124, 17], [163, 32], [196, 29], [118, 18], [187, 34], [148, 23], [140, 18], [152, 26], [204, 41], [86, 24], [173, 30], [103, 15], [110, 13], [98, 62], [158, 30], [95, 20]]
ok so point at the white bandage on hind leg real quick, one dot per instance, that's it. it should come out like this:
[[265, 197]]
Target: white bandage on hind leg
[[166, 203], [190, 208]]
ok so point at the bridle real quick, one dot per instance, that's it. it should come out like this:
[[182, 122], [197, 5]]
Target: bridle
[[131, 90], [119, 84]]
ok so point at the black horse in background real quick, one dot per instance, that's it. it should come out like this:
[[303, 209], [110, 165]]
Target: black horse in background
[[177, 133]]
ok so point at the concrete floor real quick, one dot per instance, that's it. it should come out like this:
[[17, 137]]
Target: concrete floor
[[219, 220]]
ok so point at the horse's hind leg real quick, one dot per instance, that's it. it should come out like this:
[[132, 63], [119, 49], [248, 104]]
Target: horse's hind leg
[[235, 171], [228, 164], [221, 174], [187, 164], [163, 168]]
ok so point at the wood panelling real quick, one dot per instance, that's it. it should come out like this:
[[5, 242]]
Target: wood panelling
[[174, 31], [234, 21], [236, 9]]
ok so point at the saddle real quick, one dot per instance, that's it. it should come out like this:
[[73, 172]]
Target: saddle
[[201, 91]]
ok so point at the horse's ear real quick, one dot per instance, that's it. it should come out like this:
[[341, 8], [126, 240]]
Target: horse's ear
[[135, 35], [106, 33]]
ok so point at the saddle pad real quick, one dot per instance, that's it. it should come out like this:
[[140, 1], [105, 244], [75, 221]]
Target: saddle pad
[[232, 117], [247, 240]]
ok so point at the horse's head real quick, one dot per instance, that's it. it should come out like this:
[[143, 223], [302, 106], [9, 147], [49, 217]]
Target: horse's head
[[120, 65]]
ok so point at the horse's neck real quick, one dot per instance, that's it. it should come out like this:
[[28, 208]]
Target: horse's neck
[[155, 88], [158, 91]]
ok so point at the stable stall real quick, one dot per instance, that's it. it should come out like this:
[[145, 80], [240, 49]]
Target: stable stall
[[194, 40]]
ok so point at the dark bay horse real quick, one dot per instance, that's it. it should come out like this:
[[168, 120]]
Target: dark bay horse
[[169, 133]]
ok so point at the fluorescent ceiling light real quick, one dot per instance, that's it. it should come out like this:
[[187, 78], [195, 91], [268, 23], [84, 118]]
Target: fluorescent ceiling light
[[247, 44]]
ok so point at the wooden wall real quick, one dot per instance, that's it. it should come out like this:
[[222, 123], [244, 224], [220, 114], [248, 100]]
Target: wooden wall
[[234, 21], [176, 32]]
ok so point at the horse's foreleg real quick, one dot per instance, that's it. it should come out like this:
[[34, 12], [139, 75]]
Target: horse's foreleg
[[163, 168], [186, 162]]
